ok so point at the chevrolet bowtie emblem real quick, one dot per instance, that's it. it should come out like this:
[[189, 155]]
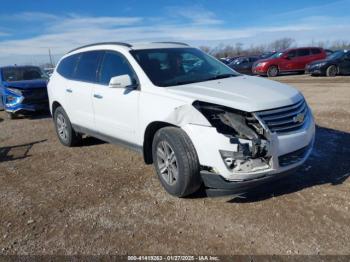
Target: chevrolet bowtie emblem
[[299, 118]]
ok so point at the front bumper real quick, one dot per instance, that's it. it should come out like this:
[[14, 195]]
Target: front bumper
[[315, 70], [259, 71], [216, 185], [208, 143], [28, 101], [22, 108]]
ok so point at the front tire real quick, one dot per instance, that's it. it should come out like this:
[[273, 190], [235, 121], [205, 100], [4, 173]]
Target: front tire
[[65, 132], [331, 71], [11, 115], [272, 71], [176, 162]]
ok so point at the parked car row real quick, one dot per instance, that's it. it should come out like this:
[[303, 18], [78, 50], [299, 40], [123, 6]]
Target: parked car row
[[313, 60]]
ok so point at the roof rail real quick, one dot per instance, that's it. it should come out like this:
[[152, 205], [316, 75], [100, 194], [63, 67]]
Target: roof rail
[[168, 42], [102, 43]]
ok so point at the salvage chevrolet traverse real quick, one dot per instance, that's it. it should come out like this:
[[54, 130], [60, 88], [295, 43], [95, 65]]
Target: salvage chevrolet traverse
[[197, 120]]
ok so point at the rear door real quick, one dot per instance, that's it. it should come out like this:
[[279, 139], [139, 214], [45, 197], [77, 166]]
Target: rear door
[[303, 58], [79, 89], [316, 54]]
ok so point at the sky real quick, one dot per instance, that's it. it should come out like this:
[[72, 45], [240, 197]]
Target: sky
[[28, 28]]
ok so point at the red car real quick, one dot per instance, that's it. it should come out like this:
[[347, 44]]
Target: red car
[[290, 60]]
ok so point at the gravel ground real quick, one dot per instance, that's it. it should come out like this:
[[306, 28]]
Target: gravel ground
[[102, 199]]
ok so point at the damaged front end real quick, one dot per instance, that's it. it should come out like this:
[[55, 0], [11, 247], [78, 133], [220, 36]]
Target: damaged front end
[[249, 138]]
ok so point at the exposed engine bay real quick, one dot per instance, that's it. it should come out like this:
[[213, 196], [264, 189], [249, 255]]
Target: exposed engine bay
[[245, 131]]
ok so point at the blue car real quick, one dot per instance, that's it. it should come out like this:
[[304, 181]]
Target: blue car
[[23, 90]]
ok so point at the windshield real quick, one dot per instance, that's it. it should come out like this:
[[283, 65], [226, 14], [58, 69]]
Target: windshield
[[267, 55], [23, 73], [336, 55], [178, 66], [276, 55], [239, 61]]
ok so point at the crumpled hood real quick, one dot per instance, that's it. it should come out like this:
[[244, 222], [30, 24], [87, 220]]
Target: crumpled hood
[[27, 84], [244, 93]]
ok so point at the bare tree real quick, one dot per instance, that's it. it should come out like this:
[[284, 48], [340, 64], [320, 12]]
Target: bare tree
[[340, 44], [206, 49], [281, 44]]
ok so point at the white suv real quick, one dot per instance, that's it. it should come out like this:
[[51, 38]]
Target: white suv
[[197, 120]]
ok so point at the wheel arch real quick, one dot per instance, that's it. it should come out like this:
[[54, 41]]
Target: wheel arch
[[150, 131], [54, 106]]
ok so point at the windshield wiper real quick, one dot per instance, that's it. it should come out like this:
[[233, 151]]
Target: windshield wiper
[[177, 83], [184, 82], [220, 77]]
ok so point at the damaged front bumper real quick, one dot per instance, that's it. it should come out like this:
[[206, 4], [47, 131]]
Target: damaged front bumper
[[286, 152]]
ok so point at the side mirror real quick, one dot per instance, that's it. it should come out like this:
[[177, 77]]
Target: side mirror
[[121, 81], [285, 56]]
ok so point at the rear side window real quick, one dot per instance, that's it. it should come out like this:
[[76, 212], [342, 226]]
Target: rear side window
[[315, 51], [114, 64], [303, 52], [67, 66], [87, 66], [292, 53]]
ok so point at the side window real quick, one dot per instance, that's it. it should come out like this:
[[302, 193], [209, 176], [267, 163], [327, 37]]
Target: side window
[[292, 54], [315, 51], [113, 65], [67, 66], [303, 52], [87, 66]]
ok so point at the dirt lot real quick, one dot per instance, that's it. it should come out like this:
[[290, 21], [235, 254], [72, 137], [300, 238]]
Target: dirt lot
[[101, 198]]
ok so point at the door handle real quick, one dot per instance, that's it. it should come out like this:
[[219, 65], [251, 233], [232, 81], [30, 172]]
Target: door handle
[[69, 90], [98, 96]]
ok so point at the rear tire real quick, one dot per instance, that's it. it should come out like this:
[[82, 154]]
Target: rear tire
[[176, 161], [331, 71], [65, 132], [272, 71]]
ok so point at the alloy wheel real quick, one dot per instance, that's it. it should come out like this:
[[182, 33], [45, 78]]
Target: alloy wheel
[[62, 128], [167, 163]]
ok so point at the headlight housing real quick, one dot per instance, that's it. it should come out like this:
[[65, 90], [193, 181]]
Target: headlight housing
[[13, 96], [239, 126], [318, 65], [261, 64], [14, 91]]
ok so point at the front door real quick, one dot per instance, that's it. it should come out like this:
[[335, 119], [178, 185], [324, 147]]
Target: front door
[[288, 63], [344, 66], [116, 109]]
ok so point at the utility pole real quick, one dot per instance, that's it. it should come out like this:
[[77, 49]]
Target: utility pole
[[51, 62]]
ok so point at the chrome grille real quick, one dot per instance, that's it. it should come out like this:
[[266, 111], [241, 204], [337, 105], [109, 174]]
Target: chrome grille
[[35, 95], [285, 119]]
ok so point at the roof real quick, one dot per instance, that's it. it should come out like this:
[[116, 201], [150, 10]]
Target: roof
[[17, 66], [136, 46]]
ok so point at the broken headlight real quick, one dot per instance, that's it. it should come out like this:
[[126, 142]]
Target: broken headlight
[[243, 129]]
